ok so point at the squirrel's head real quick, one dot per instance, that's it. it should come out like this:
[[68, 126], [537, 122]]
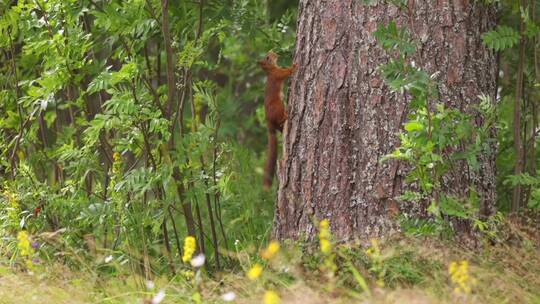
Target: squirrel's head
[[269, 61]]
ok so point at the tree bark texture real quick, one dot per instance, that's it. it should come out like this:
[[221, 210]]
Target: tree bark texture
[[343, 119]]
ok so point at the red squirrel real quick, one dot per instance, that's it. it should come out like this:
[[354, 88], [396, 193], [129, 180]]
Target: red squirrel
[[274, 109]]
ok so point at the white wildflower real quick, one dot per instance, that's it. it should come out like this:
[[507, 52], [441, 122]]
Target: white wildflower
[[229, 296], [198, 261], [158, 297]]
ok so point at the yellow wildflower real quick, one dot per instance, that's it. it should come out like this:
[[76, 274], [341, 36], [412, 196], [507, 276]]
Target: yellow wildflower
[[324, 224], [324, 229], [117, 164], [13, 209], [326, 248], [459, 275], [374, 254], [24, 243], [189, 248], [270, 251], [271, 297], [324, 237], [188, 274], [25, 249], [374, 251], [255, 272], [29, 264], [324, 234]]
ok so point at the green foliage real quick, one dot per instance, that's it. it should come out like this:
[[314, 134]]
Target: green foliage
[[530, 182], [432, 135], [409, 268], [93, 146], [395, 266], [501, 38], [393, 38], [415, 226], [519, 22]]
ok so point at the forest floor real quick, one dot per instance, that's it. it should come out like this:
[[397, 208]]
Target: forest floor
[[415, 271]]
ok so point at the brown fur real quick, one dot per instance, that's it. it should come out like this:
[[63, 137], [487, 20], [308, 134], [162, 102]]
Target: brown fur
[[274, 108]]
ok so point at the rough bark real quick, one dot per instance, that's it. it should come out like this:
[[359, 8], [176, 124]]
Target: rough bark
[[343, 119]]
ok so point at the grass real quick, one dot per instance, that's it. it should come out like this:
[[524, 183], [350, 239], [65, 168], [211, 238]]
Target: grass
[[414, 270]]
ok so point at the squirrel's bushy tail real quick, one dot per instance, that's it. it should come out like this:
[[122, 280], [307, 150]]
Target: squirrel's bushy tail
[[270, 169]]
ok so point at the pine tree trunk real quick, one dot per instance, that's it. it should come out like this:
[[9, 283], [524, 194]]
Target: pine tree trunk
[[343, 119]]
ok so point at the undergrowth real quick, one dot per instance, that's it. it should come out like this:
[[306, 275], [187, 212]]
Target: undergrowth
[[399, 269]]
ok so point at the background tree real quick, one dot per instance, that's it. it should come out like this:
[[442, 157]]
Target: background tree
[[343, 119], [124, 115]]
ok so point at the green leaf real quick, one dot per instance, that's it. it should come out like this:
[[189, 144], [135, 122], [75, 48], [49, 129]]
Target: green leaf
[[359, 278], [393, 38], [412, 126], [501, 38], [451, 206]]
